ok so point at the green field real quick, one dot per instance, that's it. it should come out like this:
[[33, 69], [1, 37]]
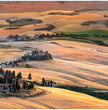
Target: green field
[[90, 32], [1, 26], [73, 39], [98, 37]]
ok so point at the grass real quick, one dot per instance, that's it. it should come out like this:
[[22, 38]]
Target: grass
[[90, 32], [4, 94], [72, 39], [3, 25], [5, 46], [92, 36]]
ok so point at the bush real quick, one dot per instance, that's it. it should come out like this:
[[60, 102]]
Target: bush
[[49, 28], [86, 23], [31, 86], [28, 66]]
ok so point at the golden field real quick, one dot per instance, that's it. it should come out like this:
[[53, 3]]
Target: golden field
[[61, 22], [74, 63], [67, 67]]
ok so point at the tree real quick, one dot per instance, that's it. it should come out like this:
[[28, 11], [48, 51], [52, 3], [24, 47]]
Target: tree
[[50, 56], [10, 88], [51, 83], [61, 35], [4, 80], [25, 85], [29, 76], [62, 2], [43, 81], [1, 80], [13, 75], [9, 74], [14, 87], [9, 80], [24, 57], [28, 66], [1, 70], [17, 86], [34, 52], [19, 60], [10, 23], [48, 35], [48, 83], [19, 75], [46, 56], [31, 86]]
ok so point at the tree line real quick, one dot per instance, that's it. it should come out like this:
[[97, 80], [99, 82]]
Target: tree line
[[50, 36], [35, 55]]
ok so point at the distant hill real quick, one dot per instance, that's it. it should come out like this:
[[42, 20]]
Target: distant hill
[[17, 6]]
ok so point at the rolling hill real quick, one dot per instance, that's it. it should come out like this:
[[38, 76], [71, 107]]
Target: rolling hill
[[74, 63], [40, 6]]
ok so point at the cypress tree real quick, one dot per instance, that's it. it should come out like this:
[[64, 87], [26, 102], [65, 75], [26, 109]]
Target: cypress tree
[[25, 85], [29, 76], [19, 75], [43, 81], [13, 75], [51, 83], [17, 86]]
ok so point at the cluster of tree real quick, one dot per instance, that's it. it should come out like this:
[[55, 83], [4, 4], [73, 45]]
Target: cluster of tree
[[11, 63], [49, 36], [32, 56], [72, 35], [37, 55], [32, 38], [47, 83], [63, 13], [22, 22], [87, 23], [83, 10], [22, 37], [105, 15], [48, 28], [61, 2], [12, 81]]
